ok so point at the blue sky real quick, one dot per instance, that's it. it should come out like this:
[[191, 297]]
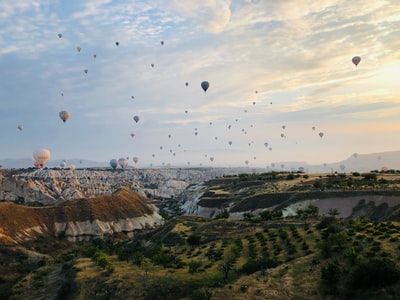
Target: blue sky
[[269, 64]]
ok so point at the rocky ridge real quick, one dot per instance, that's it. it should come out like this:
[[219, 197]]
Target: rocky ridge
[[53, 186], [124, 211]]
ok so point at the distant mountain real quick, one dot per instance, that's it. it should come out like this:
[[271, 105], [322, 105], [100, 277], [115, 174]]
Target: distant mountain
[[354, 163], [22, 163]]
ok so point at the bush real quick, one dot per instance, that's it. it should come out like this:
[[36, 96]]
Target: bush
[[194, 240], [375, 273]]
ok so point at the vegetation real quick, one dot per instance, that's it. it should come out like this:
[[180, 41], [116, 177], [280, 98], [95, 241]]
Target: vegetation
[[261, 256], [327, 256]]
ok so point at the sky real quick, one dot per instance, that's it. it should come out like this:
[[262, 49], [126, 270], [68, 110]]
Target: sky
[[280, 76]]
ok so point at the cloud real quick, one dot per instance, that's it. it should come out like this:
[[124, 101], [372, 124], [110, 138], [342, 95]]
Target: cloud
[[212, 15]]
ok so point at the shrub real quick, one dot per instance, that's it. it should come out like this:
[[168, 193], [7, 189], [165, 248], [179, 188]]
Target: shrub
[[375, 273]]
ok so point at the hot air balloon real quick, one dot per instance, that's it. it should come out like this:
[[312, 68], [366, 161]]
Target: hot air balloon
[[187, 83], [265, 144], [63, 164], [64, 115], [60, 35], [342, 167], [313, 128], [205, 85], [230, 142], [72, 167], [132, 135], [94, 55], [321, 134], [114, 163], [20, 127], [41, 157], [86, 71], [355, 155], [135, 159], [356, 60], [211, 159], [162, 43], [152, 65], [79, 49], [136, 118], [123, 162], [117, 43]]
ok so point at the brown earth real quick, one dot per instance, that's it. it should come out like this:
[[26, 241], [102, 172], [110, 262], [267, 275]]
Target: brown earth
[[16, 218]]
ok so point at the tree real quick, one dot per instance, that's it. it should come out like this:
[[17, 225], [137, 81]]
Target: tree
[[146, 265], [225, 267], [333, 212], [194, 240], [330, 276]]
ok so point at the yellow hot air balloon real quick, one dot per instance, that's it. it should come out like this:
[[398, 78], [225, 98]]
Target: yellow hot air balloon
[[64, 115], [41, 157]]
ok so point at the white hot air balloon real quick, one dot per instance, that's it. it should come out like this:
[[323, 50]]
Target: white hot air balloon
[[123, 162], [41, 157]]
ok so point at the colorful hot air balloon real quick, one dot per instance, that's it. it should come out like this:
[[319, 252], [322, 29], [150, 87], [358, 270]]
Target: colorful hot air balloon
[[64, 115], [136, 118], [356, 60], [205, 85], [41, 157]]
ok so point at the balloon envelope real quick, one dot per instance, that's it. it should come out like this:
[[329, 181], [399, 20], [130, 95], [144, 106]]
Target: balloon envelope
[[205, 85], [123, 162], [41, 157], [136, 118], [114, 163], [356, 60], [20, 127], [64, 115]]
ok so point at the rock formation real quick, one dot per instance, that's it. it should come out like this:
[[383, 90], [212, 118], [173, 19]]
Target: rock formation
[[124, 211]]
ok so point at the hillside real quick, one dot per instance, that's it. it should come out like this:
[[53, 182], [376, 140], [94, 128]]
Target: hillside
[[375, 195], [264, 236], [123, 211]]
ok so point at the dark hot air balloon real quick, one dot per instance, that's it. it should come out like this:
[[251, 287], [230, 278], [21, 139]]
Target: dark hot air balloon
[[205, 85]]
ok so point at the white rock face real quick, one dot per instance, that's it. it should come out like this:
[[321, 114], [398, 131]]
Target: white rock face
[[49, 187], [88, 229]]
